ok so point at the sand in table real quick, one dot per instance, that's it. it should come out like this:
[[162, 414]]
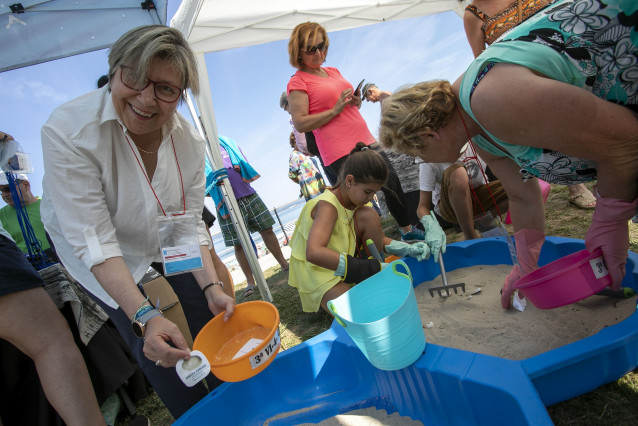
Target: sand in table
[[479, 324], [370, 416]]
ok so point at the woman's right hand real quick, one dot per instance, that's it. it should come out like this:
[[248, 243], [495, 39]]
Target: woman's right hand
[[344, 100], [158, 332], [609, 231]]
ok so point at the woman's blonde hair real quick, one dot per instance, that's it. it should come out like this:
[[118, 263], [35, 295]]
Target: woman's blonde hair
[[299, 39], [137, 48], [409, 112]]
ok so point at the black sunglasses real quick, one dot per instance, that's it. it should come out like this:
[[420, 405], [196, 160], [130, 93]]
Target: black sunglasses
[[313, 49]]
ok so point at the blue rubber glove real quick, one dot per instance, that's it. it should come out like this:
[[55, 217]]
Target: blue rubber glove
[[434, 236], [419, 250]]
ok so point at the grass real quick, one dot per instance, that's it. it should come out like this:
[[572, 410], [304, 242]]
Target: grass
[[613, 404]]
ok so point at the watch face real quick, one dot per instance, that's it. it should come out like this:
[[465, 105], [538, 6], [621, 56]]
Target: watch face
[[138, 329]]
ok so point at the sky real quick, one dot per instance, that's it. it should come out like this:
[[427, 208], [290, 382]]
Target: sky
[[246, 84]]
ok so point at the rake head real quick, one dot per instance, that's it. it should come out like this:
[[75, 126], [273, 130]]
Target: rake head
[[446, 289]]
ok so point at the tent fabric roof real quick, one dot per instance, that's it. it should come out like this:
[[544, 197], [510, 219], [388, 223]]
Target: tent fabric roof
[[37, 31], [214, 25]]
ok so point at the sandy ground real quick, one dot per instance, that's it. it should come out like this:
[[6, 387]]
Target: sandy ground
[[479, 324], [266, 262]]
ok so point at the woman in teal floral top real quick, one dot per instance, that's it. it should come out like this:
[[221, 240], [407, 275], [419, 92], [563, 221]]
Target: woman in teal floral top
[[555, 98]]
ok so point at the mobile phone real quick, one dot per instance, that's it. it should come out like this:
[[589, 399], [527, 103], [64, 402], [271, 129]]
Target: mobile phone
[[357, 91]]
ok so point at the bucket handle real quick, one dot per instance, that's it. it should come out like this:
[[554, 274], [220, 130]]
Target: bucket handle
[[333, 311], [393, 265], [394, 269]]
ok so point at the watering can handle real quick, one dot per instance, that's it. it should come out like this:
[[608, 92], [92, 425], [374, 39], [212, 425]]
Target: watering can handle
[[333, 311]]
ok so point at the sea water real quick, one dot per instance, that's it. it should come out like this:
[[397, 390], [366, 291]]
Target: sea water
[[288, 214]]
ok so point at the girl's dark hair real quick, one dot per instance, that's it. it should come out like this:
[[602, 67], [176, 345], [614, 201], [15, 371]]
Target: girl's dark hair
[[292, 140], [366, 165]]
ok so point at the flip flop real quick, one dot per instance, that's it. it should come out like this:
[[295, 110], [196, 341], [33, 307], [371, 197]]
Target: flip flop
[[248, 291], [583, 200]]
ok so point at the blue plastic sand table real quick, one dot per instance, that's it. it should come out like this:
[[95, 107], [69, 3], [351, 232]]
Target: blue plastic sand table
[[328, 375]]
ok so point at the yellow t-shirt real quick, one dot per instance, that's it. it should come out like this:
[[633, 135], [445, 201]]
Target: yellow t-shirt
[[311, 280]]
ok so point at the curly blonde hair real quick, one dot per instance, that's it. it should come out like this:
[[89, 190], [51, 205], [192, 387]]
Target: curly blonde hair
[[299, 39], [409, 112]]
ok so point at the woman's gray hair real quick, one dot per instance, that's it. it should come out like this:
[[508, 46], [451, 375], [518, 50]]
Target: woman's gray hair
[[283, 100], [140, 46]]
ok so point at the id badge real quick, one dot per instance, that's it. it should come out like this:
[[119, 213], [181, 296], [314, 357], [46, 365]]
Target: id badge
[[179, 243]]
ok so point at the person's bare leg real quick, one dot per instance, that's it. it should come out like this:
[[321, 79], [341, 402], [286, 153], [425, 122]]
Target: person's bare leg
[[333, 293], [245, 266], [369, 224], [272, 243], [31, 322], [461, 200]]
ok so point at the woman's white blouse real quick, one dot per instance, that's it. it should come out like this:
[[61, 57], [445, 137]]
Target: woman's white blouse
[[97, 202]]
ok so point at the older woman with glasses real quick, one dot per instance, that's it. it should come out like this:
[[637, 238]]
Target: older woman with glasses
[[555, 98], [322, 101], [124, 190]]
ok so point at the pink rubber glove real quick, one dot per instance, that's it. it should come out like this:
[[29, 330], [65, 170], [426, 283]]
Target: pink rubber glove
[[528, 247], [610, 233]]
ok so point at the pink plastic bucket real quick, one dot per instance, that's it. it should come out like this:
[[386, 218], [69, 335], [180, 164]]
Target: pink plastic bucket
[[566, 280]]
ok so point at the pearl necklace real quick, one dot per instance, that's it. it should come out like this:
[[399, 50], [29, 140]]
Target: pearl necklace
[[145, 151], [150, 152]]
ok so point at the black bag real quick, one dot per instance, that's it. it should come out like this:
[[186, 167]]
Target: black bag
[[311, 144]]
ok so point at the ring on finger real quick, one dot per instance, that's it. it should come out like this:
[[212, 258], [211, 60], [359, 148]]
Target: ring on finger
[[158, 362]]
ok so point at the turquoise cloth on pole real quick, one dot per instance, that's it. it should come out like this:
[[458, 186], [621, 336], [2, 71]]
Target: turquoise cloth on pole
[[247, 171]]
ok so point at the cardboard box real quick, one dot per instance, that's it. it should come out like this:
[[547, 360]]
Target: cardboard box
[[155, 286]]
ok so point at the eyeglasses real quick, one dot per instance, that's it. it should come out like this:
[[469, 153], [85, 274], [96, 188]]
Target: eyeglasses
[[313, 49], [163, 91]]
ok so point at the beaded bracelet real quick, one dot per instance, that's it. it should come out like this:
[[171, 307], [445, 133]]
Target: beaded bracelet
[[219, 283]]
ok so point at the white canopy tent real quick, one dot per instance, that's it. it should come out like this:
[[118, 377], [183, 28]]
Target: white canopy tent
[[215, 25]]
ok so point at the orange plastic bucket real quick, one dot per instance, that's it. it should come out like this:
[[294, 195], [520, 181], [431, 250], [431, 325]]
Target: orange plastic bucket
[[245, 345]]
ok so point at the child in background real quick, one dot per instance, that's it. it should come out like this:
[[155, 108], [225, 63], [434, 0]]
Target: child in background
[[329, 254]]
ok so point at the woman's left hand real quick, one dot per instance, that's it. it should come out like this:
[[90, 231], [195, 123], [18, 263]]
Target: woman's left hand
[[355, 100], [218, 302]]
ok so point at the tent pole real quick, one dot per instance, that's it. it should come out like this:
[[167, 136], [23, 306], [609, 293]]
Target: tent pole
[[205, 103]]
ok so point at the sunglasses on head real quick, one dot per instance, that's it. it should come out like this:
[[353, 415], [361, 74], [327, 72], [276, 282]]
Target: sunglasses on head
[[313, 49]]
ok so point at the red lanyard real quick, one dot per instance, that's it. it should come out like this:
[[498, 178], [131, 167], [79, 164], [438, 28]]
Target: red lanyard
[[474, 157], [149, 181]]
